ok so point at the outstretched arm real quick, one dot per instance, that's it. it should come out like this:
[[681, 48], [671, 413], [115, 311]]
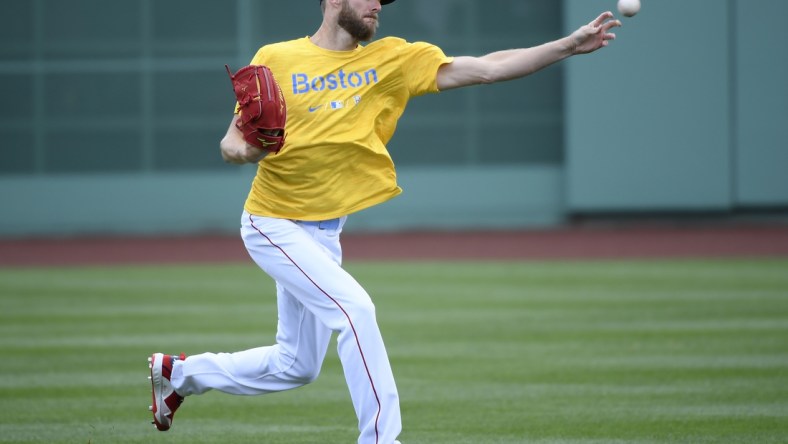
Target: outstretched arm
[[515, 63]]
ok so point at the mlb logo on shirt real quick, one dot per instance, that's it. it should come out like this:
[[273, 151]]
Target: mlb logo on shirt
[[336, 104]]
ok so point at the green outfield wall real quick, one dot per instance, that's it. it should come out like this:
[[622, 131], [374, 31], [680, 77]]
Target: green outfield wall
[[111, 115]]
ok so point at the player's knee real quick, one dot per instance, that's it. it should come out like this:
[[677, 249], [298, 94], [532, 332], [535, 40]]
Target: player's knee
[[364, 309], [304, 374], [358, 312]]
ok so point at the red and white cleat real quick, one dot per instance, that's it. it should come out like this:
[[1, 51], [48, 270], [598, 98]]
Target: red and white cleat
[[165, 400]]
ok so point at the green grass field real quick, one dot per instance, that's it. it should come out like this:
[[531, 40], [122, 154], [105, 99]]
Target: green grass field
[[524, 352]]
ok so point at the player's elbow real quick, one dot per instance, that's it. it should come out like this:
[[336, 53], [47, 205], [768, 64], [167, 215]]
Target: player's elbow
[[489, 69], [225, 148], [465, 71], [489, 73], [488, 78], [231, 151], [496, 73]]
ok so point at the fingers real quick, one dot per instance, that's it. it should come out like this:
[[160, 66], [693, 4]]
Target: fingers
[[604, 22], [607, 15], [611, 24]]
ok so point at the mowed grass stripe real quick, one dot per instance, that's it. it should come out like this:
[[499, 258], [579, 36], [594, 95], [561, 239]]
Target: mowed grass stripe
[[485, 352]]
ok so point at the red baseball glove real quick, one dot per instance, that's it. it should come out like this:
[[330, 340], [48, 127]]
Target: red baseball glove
[[261, 105]]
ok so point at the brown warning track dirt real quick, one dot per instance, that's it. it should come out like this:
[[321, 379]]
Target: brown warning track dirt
[[555, 244]]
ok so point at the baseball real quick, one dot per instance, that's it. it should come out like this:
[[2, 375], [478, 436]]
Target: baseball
[[628, 7]]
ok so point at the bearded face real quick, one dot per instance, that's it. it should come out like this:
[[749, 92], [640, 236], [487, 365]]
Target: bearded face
[[361, 27]]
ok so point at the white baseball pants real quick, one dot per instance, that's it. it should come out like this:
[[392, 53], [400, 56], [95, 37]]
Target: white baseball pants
[[315, 297]]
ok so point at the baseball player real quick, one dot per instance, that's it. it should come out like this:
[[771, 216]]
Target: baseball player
[[341, 100]]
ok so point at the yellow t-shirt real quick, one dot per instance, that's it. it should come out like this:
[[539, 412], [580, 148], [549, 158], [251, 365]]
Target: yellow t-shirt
[[342, 109]]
